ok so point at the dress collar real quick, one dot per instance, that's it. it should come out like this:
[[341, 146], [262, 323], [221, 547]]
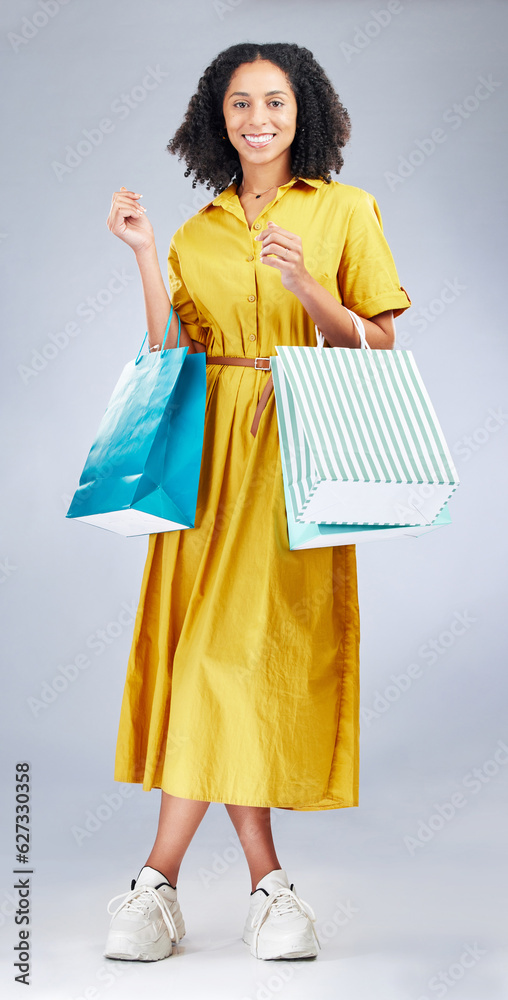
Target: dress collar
[[230, 192]]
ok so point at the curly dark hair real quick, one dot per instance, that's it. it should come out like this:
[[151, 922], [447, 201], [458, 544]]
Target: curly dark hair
[[325, 125]]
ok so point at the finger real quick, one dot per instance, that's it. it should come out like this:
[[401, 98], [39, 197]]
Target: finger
[[125, 218], [271, 234], [120, 198], [281, 231], [275, 235], [277, 262], [123, 196], [128, 213], [281, 252], [279, 248], [124, 206], [272, 231]]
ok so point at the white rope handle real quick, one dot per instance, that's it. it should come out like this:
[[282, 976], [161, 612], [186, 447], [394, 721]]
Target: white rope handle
[[320, 338], [361, 329]]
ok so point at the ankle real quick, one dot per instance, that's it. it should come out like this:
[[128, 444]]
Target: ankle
[[170, 874], [260, 873]]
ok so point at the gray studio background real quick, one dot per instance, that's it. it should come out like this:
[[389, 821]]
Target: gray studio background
[[417, 899]]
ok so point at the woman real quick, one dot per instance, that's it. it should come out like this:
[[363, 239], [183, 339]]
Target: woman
[[242, 684]]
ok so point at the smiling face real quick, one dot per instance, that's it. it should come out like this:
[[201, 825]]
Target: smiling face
[[260, 113]]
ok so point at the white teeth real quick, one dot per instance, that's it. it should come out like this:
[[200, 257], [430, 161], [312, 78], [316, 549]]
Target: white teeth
[[260, 140]]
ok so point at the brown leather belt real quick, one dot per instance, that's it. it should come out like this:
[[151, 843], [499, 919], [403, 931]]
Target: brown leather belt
[[250, 363]]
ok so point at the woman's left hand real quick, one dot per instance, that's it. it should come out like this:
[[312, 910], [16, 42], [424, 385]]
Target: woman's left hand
[[287, 252]]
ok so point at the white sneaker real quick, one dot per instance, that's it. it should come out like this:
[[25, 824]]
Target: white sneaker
[[145, 925], [279, 924]]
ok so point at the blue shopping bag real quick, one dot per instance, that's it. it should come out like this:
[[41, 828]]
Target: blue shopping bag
[[142, 472]]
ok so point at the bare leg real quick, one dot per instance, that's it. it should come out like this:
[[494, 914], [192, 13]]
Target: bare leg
[[178, 822], [253, 826]]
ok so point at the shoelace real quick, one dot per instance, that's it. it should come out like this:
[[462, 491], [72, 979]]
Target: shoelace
[[282, 900], [138, 900]]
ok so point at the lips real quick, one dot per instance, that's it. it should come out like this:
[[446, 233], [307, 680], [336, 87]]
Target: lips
[[259, 140]]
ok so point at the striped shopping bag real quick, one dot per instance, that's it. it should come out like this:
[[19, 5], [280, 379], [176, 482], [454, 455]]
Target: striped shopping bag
[[360, 440]]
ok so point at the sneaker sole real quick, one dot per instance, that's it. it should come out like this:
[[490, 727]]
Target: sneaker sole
[[122, 949], [287, 956], [135, 958], [267, 954]]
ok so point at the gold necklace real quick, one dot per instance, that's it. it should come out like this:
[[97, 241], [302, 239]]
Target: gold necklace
[[262, 192]]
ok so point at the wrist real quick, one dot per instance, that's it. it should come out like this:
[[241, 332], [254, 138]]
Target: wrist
[[306, 286], [146, 253]]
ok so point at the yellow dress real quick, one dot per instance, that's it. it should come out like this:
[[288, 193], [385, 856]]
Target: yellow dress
[[243, 678]]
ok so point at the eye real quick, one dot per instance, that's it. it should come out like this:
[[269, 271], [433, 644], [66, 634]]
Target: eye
[[243, 103]]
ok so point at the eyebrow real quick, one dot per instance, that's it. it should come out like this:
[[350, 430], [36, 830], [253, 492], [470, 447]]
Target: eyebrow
[[243, 93]]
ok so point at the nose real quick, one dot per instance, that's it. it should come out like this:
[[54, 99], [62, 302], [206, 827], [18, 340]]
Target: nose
[[258, 118]]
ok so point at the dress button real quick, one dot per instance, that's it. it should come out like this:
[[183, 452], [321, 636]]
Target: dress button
[[252, 336], [257, 225], [250, 257], [251, 298]]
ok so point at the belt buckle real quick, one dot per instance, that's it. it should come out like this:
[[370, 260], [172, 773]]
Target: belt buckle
[[259, 367]]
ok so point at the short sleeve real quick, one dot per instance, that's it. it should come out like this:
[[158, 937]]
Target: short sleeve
[[367, 277], [182, 302]]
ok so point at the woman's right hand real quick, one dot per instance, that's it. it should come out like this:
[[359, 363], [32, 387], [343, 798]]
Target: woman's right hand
[[127, 220]]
